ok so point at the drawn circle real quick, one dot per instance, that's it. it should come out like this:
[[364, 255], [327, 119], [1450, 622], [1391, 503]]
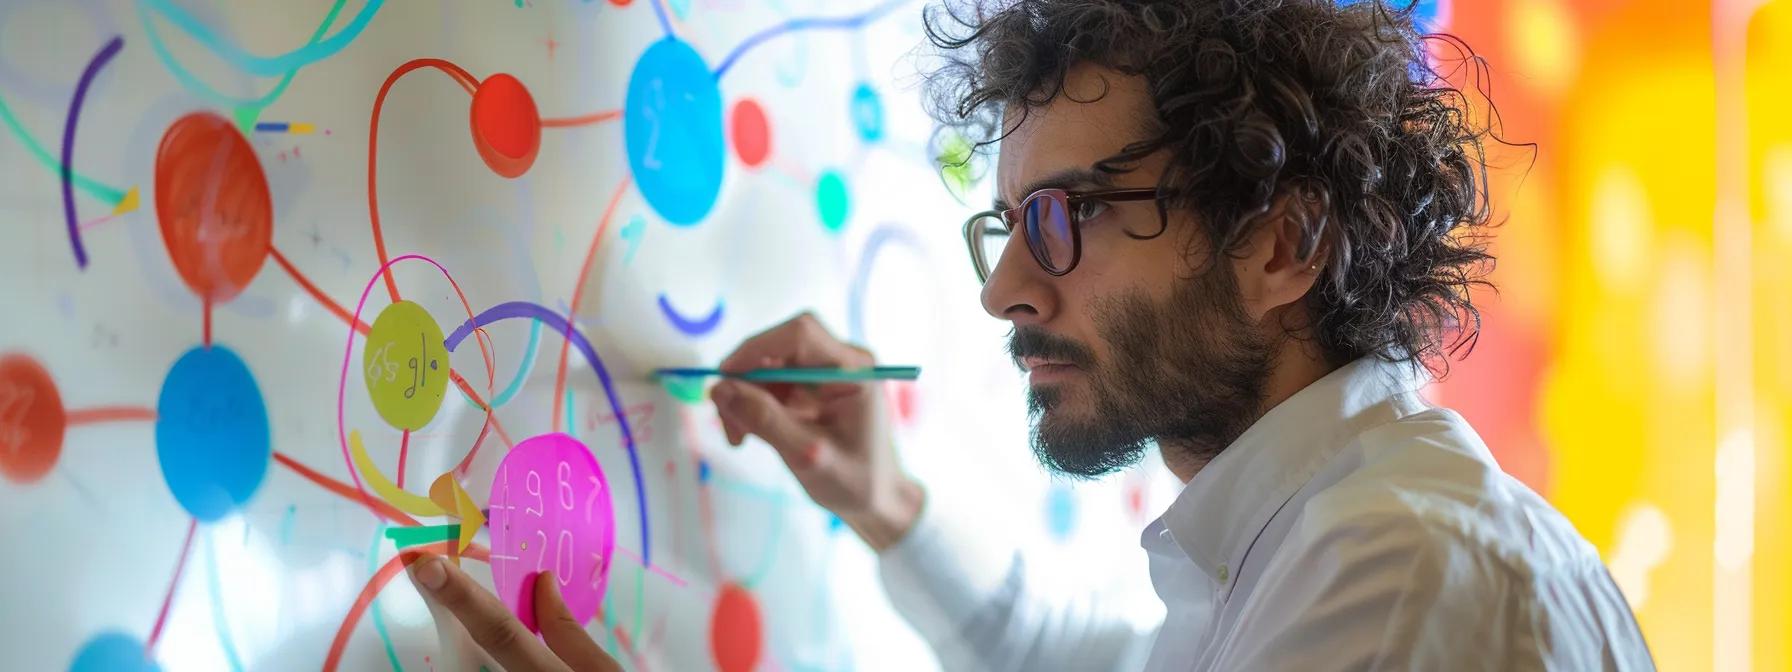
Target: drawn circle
[[832, 201], [32, 419], [672, 125], [211, 432], [551, 510], [506, 125], [752, 133], [1060, 512], [405, 366], [734, 630], [113, 652], [213, 205], [867, 113]]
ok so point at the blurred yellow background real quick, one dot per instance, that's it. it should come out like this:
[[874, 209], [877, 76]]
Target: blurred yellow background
[[1635, 360]]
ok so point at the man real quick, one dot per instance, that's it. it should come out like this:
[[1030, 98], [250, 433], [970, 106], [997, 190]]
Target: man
[[1240, 229]]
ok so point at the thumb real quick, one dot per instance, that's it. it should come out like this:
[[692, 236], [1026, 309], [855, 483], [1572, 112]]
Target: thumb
[[755, 411]]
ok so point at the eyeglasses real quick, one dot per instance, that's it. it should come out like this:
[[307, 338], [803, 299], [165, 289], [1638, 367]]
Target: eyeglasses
[[1051, 221]]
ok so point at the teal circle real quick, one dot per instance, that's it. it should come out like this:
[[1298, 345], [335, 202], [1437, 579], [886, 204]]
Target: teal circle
[[211, 432], [832, 201], [672, 127], [113, 652], [867, 113]]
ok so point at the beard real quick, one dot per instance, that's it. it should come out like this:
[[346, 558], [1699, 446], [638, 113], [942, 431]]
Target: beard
[[1189, 371]]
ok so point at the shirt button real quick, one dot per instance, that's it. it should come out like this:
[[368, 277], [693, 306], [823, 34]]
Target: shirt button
[[1223, 574]]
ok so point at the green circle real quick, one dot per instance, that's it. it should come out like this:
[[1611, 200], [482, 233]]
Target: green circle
[[405, 366], [832, 200]]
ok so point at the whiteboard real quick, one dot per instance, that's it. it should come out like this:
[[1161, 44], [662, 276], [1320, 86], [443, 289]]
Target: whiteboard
[[199, 216]]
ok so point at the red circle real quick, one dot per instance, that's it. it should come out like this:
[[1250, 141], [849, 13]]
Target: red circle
[[213, 205], [734, 630], [752, 133], [506, 125], [31, 419]]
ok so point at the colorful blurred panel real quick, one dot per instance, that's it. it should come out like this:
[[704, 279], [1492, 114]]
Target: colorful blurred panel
[[1634, 362]]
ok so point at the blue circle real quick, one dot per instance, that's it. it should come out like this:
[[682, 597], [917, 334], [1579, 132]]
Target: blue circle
[[867, 113], [211, 432], [1060, 511], [113, 652], [672, 125]]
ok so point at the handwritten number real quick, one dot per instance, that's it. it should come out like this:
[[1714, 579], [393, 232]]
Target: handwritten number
[[563, 551], [591, 497], [533, 485], [564, 471]]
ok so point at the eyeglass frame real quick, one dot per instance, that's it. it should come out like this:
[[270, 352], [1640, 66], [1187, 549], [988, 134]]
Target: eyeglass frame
[[1070, 200]]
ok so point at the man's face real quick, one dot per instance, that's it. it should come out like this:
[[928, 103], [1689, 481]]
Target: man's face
[[1144, 339]]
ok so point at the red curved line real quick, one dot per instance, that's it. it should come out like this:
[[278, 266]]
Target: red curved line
[[318, 294], [586, 120], [186, 547], [455, 72], [378, 582], [87, 416], [578, 293], [379, 508]]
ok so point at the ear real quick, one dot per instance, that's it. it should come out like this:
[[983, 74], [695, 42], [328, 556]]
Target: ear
[[1284, 256]]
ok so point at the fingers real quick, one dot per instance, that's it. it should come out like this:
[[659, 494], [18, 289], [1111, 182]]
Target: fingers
[[750, 409], [490, 623], [799, 341], [564, 635]]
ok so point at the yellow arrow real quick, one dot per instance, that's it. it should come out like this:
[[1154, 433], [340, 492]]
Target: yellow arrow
[[126, 204], [416, 505]]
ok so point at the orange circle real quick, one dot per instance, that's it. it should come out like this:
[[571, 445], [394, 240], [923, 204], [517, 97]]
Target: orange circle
[[212, 201], [506, 125], [734, 630], [31, 419]]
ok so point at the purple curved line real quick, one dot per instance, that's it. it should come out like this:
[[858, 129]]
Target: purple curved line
[[68, 144], [692, 327], [552, 320]]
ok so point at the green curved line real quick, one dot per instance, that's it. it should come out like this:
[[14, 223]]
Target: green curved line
[[373, 608], [106, 194], [255, 64], [247, 110], [522, 372]]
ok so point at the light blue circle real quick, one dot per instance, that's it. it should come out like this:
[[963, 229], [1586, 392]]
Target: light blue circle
[[867, 113], [113, 652], [1060, 511], [672, 126], [211, 432]]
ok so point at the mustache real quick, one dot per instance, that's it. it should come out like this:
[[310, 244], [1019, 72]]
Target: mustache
[[1036, 342]]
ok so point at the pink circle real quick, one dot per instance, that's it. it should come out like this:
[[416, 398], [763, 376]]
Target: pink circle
[[550, 510]]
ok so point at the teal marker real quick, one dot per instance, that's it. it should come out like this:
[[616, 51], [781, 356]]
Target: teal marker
[[799, 375]]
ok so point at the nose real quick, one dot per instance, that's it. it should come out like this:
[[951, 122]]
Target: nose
[[1018, 290]]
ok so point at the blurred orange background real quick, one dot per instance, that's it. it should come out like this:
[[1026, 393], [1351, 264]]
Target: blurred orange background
[[1634, 364]]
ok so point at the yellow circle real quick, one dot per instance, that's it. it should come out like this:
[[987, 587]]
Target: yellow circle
[[405, 366]]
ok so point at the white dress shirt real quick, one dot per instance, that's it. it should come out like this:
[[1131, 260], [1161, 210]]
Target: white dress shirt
[[1353, 527]]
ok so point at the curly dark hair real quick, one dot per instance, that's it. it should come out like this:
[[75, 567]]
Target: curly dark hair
[[1251, 97]]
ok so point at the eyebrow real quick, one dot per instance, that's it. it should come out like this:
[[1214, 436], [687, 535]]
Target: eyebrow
[[1068, 179]]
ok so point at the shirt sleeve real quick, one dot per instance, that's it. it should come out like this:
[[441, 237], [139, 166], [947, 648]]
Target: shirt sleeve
[[972, 595], [1391, 593]]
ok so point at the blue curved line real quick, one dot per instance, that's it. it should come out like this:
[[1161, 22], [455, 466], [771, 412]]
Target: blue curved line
[[855, 294], [849, 22], [217, 600], [266, 66], [688, 326], [526, 310], [198, 86], [659, 10]]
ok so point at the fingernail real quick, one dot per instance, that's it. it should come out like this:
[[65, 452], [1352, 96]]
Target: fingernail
[[723, 393], [432, 573]]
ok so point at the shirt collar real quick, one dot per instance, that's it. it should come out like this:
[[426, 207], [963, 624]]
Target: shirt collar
[[1229, 502]]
